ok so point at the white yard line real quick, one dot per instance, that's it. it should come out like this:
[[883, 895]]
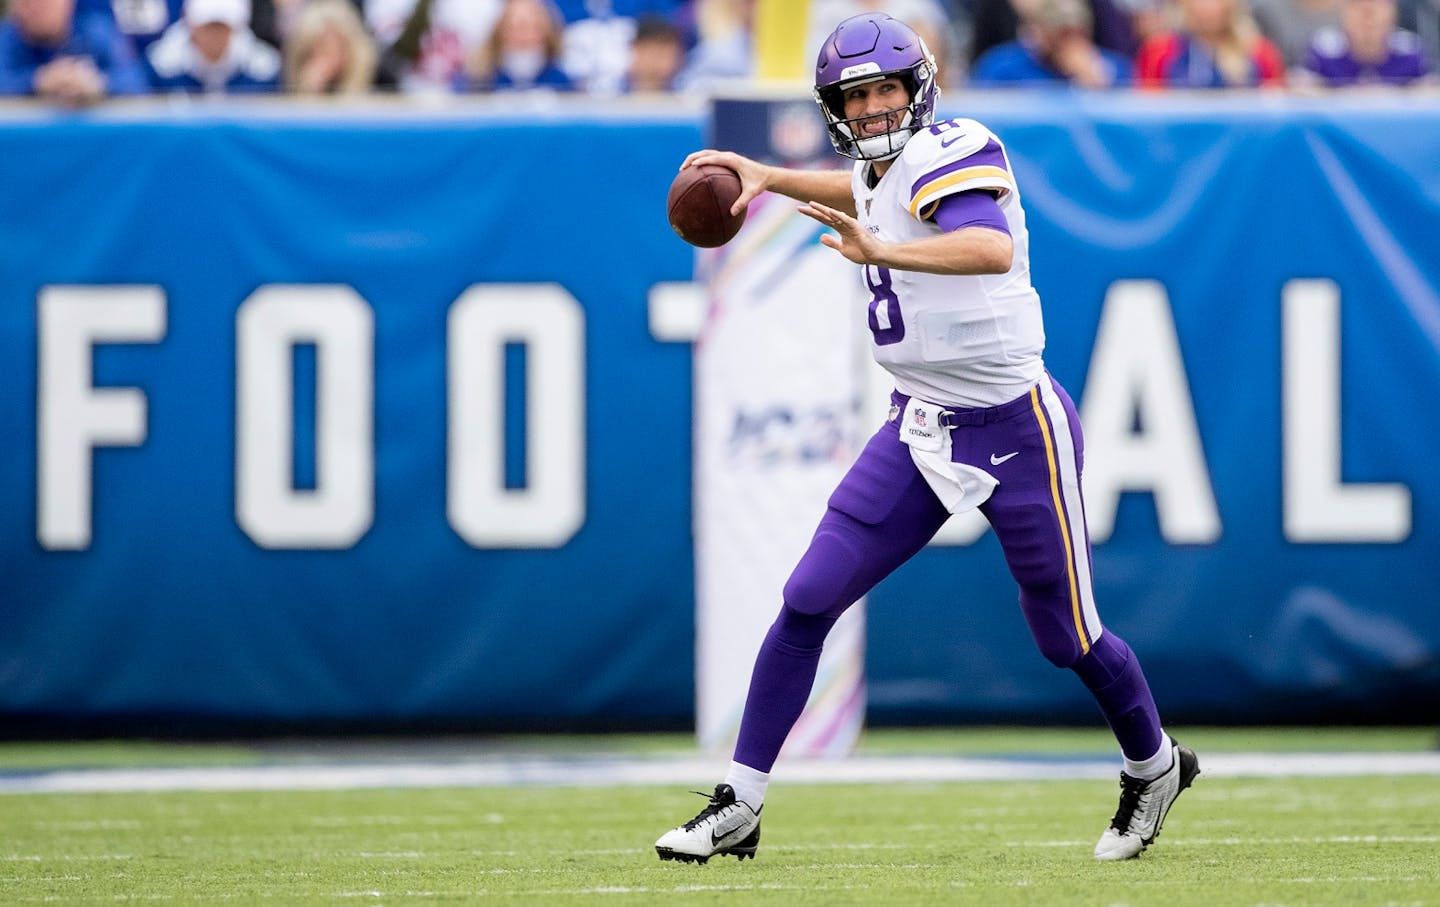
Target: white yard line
[[610, 771], [1251, 842]]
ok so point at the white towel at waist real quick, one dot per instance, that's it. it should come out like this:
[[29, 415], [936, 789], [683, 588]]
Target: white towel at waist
[[959, 486]]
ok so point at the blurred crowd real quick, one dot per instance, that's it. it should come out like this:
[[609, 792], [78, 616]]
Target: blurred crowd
[[78, 51]]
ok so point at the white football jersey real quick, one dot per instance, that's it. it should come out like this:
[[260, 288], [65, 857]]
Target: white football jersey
[[963, 340]]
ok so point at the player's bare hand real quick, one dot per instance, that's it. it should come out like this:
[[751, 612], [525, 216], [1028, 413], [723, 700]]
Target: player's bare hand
[[754, 176], [850, 238]]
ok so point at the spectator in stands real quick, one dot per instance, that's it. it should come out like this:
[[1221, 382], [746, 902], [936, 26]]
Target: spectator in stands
[[1423, 18], [426, 45], [1121, 25], [1147, 19], [329, 51], [212, 50], [143, 20], [992, 23], [50, 50], [599, 35], [1217, 46], [146, 20], [1118, 25], [656, 55], [1367, 49], [523, 51], [579, 10], [1290, 24], [1054, 48], [272, 21], [724, 47]]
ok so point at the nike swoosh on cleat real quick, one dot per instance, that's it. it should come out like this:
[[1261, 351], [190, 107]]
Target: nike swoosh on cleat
[[717, 835], [996, 461]]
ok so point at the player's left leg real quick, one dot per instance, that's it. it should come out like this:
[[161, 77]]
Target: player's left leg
[[880, 515], [1039, 517]]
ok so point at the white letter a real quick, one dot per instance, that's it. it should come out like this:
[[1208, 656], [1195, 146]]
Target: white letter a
[[1137, 374]]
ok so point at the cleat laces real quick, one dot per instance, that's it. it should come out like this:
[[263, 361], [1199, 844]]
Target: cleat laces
[[1131, 789], [716, 804]]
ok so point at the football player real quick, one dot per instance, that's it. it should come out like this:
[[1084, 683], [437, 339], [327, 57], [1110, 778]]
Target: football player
[[932, 214]]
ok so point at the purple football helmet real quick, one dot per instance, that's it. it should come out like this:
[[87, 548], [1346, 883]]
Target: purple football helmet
[[868, 48]]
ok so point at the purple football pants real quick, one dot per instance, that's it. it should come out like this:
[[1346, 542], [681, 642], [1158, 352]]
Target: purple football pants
[[883, 512]]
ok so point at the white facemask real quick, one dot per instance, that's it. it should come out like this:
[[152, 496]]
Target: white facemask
[[880, 147]]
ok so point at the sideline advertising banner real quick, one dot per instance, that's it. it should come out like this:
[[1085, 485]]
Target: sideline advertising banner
[[343, 419], [357, 417], [776, 427]]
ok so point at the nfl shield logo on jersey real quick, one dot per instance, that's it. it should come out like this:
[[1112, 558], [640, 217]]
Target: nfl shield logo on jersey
[[920, 417]]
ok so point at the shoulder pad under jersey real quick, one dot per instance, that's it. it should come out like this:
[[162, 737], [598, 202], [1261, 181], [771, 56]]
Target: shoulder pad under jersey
[[953, 156]]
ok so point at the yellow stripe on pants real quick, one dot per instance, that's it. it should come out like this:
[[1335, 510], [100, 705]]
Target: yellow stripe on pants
[[1050, 456]]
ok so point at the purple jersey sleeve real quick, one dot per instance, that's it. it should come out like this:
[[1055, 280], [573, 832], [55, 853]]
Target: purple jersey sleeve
[[972, 208]]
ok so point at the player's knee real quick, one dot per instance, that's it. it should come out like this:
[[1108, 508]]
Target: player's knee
[[823, 581], [1052, 624], [812, 591], [1062, 653]]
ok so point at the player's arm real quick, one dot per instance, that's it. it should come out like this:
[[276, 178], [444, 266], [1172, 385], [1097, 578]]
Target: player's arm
[[974, 238], [830, 188], [973, 250]]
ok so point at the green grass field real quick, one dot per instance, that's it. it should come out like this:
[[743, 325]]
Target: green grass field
[[1345, 840]]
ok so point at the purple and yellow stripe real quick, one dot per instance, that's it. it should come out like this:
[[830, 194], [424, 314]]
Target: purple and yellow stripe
[[986, 168], [1053, 420]]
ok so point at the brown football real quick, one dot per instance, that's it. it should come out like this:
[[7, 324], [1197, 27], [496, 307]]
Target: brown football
[[699, 205]]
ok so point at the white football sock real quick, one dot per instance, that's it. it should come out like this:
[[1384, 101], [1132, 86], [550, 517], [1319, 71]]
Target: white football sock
[[749, 784], [1156, 765]]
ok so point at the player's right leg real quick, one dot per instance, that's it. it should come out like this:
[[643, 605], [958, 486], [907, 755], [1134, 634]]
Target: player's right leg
[[1038, 515], [880, 515]]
